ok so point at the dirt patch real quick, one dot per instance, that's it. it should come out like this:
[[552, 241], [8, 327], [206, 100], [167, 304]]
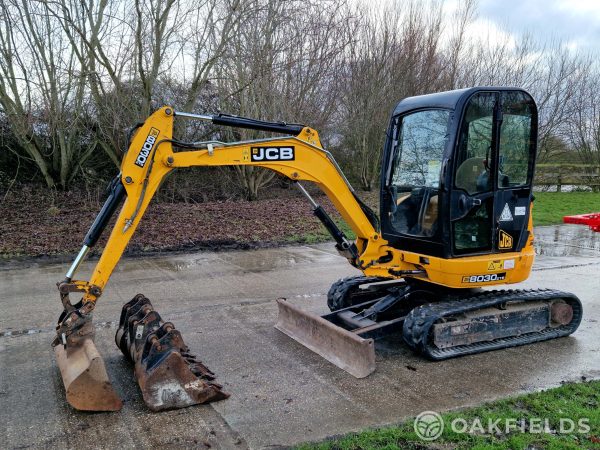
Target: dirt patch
[[35, 223]]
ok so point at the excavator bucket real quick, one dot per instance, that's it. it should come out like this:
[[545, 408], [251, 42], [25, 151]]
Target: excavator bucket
[[337, 345], [86, 382], [169, 376]]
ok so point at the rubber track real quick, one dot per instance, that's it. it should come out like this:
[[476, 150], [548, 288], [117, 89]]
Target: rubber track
[[338, 296], [417, 330]]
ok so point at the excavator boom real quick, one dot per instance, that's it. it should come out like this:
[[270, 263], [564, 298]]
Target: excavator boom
[[162, 362]]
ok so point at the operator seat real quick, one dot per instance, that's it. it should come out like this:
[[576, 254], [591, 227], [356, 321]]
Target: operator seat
[[468, 173]]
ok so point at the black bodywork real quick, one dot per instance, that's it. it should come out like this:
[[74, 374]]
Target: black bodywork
[[455, 203]]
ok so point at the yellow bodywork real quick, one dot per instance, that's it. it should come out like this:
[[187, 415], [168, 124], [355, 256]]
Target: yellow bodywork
[[150, 159]]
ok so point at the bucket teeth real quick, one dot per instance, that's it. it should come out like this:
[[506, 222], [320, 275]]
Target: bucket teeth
[[168, 374]]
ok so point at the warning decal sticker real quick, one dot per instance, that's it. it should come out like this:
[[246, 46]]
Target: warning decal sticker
[[495, 265], [506, 216]]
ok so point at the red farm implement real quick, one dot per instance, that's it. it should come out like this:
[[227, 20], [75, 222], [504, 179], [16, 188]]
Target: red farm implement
[[592, 220]]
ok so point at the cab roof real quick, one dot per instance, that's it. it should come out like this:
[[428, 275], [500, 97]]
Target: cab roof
[[447, 99]]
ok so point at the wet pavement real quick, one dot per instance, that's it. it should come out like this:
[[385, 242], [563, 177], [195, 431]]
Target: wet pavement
[[282, 393]]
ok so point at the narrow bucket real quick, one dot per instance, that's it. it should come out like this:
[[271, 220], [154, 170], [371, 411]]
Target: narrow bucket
[[87, 385], [337, 345]]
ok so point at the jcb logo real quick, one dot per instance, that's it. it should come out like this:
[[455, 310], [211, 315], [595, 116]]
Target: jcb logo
[[272, 154], [505, 241], [147, 147]]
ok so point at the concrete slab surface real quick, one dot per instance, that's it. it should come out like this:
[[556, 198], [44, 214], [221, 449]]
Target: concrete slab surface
[[282, 393]]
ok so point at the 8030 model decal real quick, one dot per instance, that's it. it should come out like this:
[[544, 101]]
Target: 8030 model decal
[[273, 154], [147, 147], [487, 278]]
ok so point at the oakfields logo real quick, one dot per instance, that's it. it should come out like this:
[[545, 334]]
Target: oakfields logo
[[147, 147], [429, 426]]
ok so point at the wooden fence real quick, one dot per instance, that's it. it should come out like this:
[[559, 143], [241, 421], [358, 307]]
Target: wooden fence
[[560, 175]]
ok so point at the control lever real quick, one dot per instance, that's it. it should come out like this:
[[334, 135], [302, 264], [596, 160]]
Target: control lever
[[467, 203]]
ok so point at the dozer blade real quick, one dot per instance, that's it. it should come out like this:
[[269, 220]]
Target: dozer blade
[[337, 345], [83, 373], [169, 376]]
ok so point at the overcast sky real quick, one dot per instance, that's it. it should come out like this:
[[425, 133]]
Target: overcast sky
[[576, 22]]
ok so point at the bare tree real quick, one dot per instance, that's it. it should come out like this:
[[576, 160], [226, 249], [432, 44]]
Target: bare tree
[[458, 41], [212, 26], [583, 123], [42, 90], [102, 33], [76, 74], [15, 91], [395, 54], [281, 64]]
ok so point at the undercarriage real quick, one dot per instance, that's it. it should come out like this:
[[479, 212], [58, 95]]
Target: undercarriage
[[436, 322]]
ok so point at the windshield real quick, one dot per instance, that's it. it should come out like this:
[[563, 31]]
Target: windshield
[[418, 146]]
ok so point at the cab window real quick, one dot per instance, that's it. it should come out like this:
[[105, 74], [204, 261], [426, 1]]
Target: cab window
[[516, 140], [474, 161], [418, 146]]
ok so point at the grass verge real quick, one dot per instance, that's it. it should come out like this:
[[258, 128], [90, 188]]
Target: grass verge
[[576, 402], [550, 207]]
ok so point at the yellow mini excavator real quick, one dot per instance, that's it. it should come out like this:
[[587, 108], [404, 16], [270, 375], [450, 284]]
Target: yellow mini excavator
[[456, 200]]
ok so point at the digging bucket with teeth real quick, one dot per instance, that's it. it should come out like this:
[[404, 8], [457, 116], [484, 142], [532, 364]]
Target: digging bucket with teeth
[[169, 376]]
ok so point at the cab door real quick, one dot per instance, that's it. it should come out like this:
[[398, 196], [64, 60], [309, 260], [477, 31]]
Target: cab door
[[517, 145], [493, 167], [472, 203]]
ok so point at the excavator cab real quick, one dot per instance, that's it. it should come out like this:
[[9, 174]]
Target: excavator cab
[[456, 194], [457, 172]]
